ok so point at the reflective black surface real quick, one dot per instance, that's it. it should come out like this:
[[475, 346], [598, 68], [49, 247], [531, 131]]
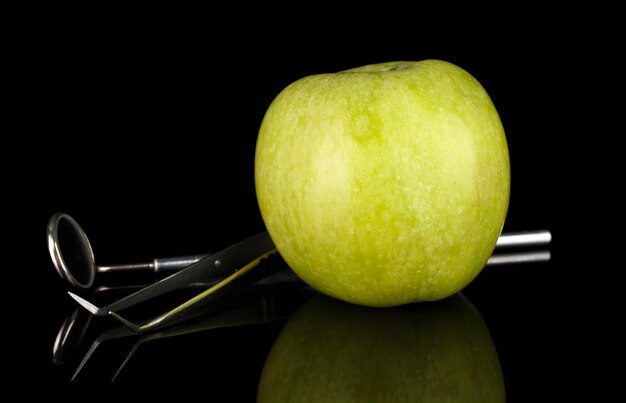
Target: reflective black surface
[[333, 351], [226, 351], [148, 139]]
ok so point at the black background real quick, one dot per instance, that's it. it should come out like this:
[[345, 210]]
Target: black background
[[144, 131]]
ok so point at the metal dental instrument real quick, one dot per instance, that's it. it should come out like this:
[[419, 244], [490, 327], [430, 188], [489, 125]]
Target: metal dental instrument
[[233, 262], [77, 265], [233, 282], [524, 238]]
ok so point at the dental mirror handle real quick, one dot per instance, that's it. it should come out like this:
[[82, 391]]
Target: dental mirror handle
[[156, 265], [524, 238], [506, 240]]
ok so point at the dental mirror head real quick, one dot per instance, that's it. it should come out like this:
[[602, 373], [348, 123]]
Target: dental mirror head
[[76, 263]]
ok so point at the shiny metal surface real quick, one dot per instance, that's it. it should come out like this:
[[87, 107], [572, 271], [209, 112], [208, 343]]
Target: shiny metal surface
[[76, 263], [526, 238], [64, 230]]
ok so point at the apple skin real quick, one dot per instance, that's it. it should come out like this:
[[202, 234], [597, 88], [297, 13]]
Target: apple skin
[[330, 351], [385, 184]]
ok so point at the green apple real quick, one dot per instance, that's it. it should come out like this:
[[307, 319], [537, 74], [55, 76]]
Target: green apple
[[385, 184], [330, 351]]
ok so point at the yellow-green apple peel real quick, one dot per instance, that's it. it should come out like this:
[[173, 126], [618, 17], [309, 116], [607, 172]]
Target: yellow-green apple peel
[[384, 184]]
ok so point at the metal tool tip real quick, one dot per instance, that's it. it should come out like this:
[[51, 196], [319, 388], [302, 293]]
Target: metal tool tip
[[94, 310]]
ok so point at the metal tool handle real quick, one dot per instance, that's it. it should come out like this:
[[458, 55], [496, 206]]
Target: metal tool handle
[[176, 263], [157, 265], [218, 266], [526, 238]]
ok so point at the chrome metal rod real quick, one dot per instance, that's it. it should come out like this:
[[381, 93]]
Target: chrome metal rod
[[156, 265], [526, 238]]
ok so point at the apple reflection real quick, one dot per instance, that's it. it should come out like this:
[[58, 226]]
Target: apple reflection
[[331, 351]]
